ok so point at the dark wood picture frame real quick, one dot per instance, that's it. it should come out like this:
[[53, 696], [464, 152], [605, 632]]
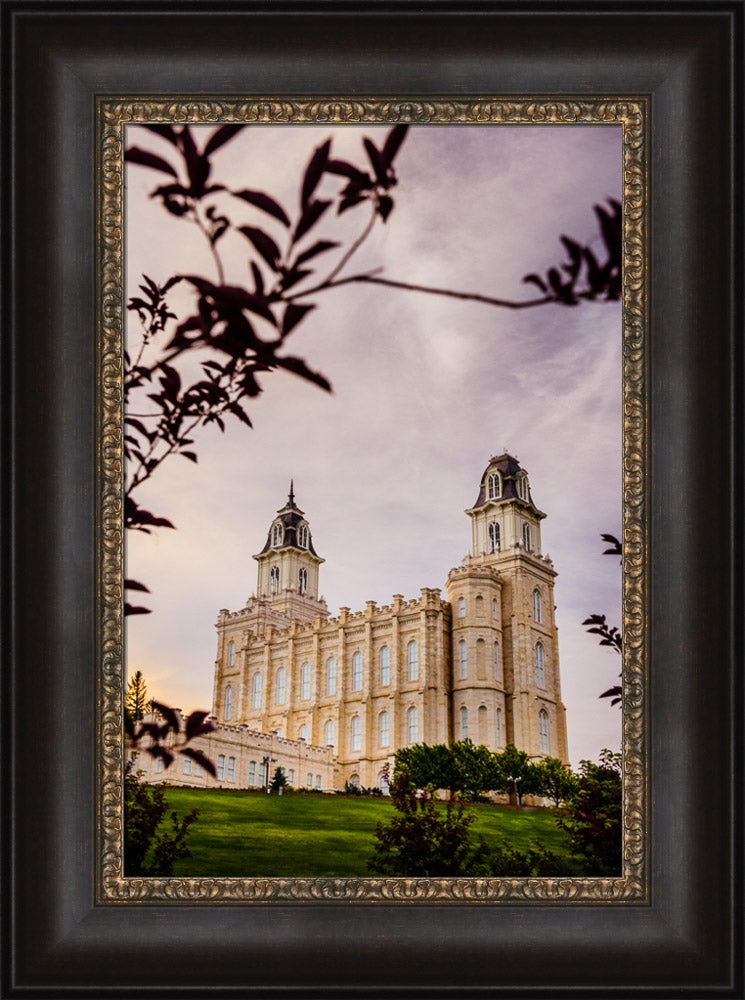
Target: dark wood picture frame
[[59, 58]]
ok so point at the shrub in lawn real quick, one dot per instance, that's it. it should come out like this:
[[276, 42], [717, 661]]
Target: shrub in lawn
[[144, 808]]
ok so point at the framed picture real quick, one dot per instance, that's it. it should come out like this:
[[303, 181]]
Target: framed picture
[[80, 923]]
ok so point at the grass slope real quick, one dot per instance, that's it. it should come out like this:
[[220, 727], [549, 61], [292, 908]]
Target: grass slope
[[249, 834]]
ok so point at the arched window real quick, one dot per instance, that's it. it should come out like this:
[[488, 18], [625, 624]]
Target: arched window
[[231, 653], [252, 772], [481, 659], [463, 722], [256, 693], [463, 658], [412, 723], [461, 607], [356, 733], [159, 764], [228, 702], [537, 610], [187, 765], [303, 733], [413, 659], [500, 739], [302, 581], [496, 661], [385, 665], [357, 672], [494, 608], [543, 730], [354, 780], [276, 535], [328, 733], [262, 774], [318, 781], [479, 606], [494, 486], [274, 579], [281, 686], [221, 767], [383, 729], [540, 672], [495, 537], [526, 536], [305, 681], [331, 676], [483, 724], [383, 783], [302, 536], [231, 768]]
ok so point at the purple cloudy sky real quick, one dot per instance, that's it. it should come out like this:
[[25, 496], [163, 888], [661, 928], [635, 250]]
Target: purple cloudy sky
[[426, 389]]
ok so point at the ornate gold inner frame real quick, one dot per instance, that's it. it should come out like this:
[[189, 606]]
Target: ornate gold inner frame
[[112, 115]]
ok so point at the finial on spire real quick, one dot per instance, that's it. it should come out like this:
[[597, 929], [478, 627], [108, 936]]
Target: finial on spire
[[291, 497]]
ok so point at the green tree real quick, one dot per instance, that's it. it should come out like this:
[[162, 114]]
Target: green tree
[[136, 701], [278, 779], [428, 765], [473, 766], [556, 781], [424, 839], [148, 849], [593, 819], [515, 774]]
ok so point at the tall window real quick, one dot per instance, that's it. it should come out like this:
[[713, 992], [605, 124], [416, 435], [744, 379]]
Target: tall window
[[318, 781], [221, 767], [305, 681], [187, 765], [356, 733], [499, 728], [463, 723], [303, 733], [526, 536], [481, 659], [496, 661], [262, 774], [331, 675], [537, 611], [543, 730], [494, 487], [494, 608], [231, 768], [274, 579], [383, 729], [413, 659], [308, 780], [463, 658], [228, 702], [495, 538], [483, 724], [461, 607], [159, 764], [231, 653], [290, 777], [385, 666], [252, 772], [522, 487], [412, 720], [357, 672], [256, 692], [540, 671], [302, 536], [281, 686], [479, 606], [277, 535], [328, 733], [302, 581]]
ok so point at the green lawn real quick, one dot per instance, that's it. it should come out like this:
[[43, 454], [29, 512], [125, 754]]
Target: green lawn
[[250, 834]]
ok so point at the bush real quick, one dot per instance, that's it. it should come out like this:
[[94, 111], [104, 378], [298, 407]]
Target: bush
[[145, 806], [593, 816]]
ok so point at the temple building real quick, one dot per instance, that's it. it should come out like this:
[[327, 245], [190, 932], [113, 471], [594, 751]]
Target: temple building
[[481, 661]]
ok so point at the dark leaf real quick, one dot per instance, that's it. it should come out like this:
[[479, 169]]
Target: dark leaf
[[197, 166], [311, 214], [293, 314], [573, 249], [263, 243], [261, 200], [190, 455], [141, 156], [258, 279], [536, 280], [170, 715], [292, 277], [344, 169], [385, 207], [378, 164], [200, 758], [158, 751], [612, 692], [194, 725], [393, 143], [349, 202], [314, 172], [320, 247], [167, 131], [170, 283], [136, 585], [131, 609], [222, 135], [298, 367]]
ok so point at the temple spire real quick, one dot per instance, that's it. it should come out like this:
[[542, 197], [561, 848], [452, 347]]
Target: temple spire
[[291, 497]]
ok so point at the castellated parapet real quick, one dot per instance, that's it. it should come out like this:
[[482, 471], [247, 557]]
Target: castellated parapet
[[482, 664]]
